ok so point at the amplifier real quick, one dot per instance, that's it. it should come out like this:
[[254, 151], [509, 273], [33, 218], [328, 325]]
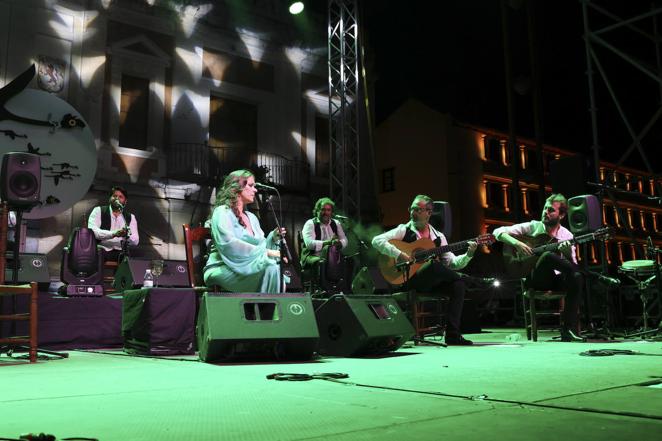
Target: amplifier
[[131, 271], [31, 268]]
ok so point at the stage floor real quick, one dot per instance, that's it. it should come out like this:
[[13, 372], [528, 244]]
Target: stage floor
[[498, 389]]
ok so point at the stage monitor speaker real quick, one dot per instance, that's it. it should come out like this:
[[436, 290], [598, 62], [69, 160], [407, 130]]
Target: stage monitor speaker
[[569, 175], [442, 218], [131, 272], [584, 214], [369, 280], [31, 268], [20, 179], [234, 326], [361, 325]]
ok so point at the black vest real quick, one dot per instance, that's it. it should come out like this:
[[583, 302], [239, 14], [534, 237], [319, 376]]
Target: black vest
[[305, 252], [410, 237], [105, 218]]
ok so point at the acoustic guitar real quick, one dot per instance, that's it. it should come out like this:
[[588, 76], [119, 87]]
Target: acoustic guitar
[[518, 265], [420, 251]]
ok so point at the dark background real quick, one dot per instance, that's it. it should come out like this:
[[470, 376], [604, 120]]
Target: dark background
[[449, 55]]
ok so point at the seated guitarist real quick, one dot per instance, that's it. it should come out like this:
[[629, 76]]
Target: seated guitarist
[[434, 274], [551, 271]]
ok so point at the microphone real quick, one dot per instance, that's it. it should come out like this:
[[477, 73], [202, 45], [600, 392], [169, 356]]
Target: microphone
[[340, 216], [265, 186]]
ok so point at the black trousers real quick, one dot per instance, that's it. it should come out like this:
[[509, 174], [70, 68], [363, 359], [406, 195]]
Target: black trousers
[[544, 277], [434, 277]]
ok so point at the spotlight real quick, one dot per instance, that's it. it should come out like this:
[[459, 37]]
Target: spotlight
[[296, 8], [496, 283]]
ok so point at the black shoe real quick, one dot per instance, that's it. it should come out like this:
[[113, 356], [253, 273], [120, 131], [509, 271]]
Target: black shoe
[[457, 340], [568, 336], [609, 282]]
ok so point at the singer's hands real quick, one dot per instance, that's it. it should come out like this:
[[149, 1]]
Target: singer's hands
[[122, 232], [275, 254], [280, 233]]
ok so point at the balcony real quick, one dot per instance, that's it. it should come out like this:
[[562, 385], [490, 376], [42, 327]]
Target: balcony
[[204, 164]]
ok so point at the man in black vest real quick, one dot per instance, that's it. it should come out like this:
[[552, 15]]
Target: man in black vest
[[434, 274], [113, 226], [320, 234]]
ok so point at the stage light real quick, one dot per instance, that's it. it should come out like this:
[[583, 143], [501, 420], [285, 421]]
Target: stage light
[[496, 283], [296, 8]]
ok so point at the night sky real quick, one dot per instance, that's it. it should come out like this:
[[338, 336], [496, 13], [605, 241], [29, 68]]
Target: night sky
[[449, 55]]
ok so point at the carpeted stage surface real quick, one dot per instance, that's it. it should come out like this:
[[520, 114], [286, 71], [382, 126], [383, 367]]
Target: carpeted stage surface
[[519, 391]]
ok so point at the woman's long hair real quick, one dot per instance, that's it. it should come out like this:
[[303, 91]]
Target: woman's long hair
[[228, 193]]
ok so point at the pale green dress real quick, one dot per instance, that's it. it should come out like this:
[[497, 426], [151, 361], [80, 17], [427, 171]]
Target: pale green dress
[[237, 261]]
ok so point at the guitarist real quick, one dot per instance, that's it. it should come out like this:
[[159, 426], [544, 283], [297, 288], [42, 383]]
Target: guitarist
[[552, 270], [434, 274]]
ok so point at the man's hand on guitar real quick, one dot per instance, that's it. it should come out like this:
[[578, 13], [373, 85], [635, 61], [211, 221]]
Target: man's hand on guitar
[[403, 257], [472, 248], [564, 246], [523, 249]]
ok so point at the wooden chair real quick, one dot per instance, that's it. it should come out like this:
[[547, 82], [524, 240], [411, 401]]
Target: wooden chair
[[14, 290], [199, 235], [31, 317], [425, 311], [531, 312]]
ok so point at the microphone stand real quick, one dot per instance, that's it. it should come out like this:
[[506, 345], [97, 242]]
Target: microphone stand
[[124, 252], [283, 245]]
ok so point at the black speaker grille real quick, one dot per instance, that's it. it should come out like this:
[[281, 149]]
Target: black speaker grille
[[23, 184]]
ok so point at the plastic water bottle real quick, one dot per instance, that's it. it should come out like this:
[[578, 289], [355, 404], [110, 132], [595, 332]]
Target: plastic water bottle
[[148, 281]]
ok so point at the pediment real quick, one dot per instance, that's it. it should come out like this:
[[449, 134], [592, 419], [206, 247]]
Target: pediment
[[140, 45]]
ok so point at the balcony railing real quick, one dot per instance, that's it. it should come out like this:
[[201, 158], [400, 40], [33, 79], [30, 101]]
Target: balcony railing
[[206, 164]]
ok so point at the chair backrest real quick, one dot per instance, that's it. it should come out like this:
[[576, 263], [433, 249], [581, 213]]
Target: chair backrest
[[199, 235], [4, 215]]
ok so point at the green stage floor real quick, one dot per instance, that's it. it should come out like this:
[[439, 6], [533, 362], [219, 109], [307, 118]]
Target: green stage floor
[[506, 390]]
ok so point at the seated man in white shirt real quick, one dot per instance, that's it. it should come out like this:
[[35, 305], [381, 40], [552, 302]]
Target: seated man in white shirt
[[323, 239], [113, 226], [550, 270], [434, 275]]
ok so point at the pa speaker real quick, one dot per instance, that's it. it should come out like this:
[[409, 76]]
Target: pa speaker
[[361, 325], [369, 280], [131, 273], [569, 175], [442, 217], [21, 179], [256, 326], [584, 214], [31, 268]]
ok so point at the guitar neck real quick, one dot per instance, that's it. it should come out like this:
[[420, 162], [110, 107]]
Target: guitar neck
[[554, 245], [438, 251]]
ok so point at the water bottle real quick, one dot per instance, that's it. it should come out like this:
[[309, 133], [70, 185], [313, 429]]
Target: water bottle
[[148, 281]]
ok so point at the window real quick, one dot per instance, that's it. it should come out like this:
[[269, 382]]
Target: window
[[388, 180], [133, 112], [233, 132]]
